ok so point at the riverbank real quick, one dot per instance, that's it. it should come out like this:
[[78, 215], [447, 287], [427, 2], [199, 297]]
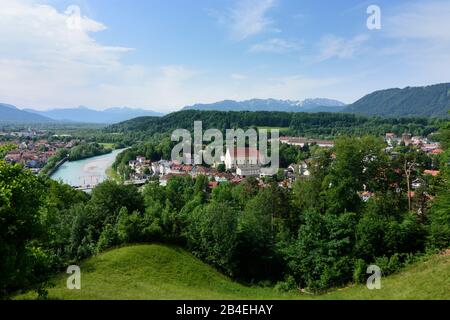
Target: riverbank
[[55, 162], [56, 166], [113, 175]]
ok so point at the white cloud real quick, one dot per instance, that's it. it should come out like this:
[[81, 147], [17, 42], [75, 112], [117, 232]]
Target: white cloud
[[248, 18], [331, 46], [275, 45], [44, 36], [421, 32], [425, 21], [238, 76], [46, 62], [75, 20]]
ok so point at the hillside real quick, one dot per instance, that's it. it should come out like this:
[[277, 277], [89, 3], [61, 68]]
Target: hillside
[[11, 114], [431, 100], [153, 272], [426, 280], [308, 105], [163, 272], [299, 123]]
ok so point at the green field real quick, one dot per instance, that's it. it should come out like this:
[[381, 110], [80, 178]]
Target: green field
[[113, 175], [107, 145], [164, 272]]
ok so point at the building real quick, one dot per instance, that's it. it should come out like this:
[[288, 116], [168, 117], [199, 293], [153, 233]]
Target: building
[[300, 169], [223, 177], [416, 184], [301, 141], [434, 173], [294, 141], [162, 167], [248, 170], [242, 157], [365, 195], [390, 137], [430, 147], [323, 143], [141, 165], [406, 138], [417, 141], [267, 172]]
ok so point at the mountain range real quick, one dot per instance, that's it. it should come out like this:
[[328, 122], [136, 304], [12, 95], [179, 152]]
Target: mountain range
[[427, 101], [308, 105], [86, 115], [10, 113], [80, 114]]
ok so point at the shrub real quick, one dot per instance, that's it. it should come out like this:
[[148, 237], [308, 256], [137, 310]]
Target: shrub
[[108, 238], [289, 284], [359, 271]]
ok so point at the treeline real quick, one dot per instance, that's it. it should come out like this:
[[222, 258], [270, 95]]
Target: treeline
[[86, 150], [320, 235], [317, 125]]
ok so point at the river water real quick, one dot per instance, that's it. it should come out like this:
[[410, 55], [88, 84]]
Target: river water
[[90, 171]]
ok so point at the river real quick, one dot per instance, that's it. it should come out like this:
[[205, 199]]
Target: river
[[89, 171]]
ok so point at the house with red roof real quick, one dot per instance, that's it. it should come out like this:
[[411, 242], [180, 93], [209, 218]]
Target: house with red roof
[[434, 173]]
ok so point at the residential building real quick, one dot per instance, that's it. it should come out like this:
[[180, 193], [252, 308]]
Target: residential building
[[248, 170], [301, 141]]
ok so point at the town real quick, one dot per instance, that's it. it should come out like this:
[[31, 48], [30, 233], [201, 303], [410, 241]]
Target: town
[[240, 163], [34, 148]]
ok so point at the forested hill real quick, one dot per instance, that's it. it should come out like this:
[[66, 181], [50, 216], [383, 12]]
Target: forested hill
[[310, 124], [431, 100]]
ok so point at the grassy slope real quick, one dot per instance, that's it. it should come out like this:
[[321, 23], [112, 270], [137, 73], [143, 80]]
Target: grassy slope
[[429, 279], [162, 272], [153, 272]]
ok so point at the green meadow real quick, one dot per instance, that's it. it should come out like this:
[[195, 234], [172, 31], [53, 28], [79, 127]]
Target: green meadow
[[165, 272]]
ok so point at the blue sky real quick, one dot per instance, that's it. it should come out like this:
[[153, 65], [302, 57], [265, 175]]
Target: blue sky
[[165, 54]]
